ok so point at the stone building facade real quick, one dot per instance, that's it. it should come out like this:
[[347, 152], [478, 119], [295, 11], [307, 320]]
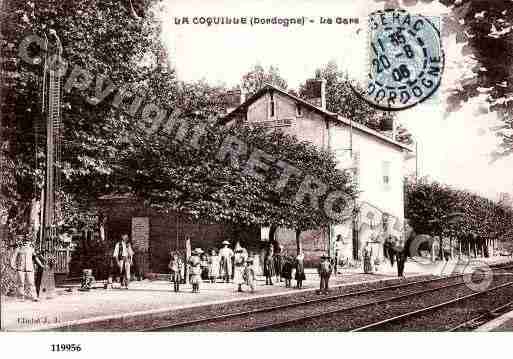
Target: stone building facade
[[375, 159]]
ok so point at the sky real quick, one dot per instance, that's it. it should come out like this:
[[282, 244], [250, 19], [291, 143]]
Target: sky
[[453, 149]]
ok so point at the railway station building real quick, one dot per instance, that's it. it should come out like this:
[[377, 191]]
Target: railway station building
[[375, 160]]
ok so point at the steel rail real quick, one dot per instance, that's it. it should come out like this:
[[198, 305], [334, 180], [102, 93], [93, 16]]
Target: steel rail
[[428, 309], [485, 316], [346, 309], [267, 309], [381, 301], [295, 304]]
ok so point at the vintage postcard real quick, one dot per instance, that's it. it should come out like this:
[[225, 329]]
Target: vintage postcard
[[259, 166]]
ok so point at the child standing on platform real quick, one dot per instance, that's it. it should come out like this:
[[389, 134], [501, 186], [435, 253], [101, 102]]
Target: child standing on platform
[[300, 270], [286, 271], [269, 266], [213, 266], [195, 264], [176, 268], [249, 275], [204, 267]]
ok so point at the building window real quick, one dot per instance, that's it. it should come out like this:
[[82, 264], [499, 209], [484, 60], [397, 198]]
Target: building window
[[272, 106], [299, 110], [386, 175]]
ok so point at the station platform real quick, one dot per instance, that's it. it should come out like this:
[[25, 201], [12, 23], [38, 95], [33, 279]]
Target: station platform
[[70, 306], [503, 323]]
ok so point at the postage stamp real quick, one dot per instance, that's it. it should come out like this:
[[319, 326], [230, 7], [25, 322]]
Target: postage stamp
[[406, 59]]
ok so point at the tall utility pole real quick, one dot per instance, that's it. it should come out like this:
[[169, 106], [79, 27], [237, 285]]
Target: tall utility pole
[[354, 222], [51, 114], [416, 161], [51, 108]]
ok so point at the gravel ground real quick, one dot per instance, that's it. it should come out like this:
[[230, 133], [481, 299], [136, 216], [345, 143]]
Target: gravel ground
[[438, 320]]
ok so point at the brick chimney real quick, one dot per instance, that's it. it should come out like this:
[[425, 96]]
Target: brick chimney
[[388, 127], [232, 99], [315, 92]]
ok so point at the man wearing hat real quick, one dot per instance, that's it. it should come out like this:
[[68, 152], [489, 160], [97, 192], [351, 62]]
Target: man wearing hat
[[225, 255], [325, 268], [22, 261]]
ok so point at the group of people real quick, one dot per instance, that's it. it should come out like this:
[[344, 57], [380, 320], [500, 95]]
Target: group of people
[[393, 250], [281, 267], [236, 264], [228, 264]]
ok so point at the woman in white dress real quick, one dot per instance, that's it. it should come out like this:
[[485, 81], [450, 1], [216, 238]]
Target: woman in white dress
[[240, 258]]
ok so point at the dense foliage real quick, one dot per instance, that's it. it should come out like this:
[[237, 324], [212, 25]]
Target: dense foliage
[[257, 77], [174, 175], [104, 37], [106, 149], [440, 210]]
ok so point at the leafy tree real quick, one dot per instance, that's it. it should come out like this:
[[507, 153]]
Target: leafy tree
[[439, 210], [257, 77], [197, 182], [105, 150], [486, 27], [107, 38]]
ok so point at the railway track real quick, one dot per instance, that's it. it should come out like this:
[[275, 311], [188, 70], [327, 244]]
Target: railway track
[[483, 318], [291, 315], [439, 309]]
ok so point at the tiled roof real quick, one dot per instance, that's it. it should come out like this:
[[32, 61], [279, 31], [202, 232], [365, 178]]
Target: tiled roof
[[331, 115]]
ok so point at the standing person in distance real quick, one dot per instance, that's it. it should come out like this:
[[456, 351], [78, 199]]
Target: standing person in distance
[[249, 275], [401, 257], [269, 265], [278, 263], [225, 255], [324, 269], [195, 265], [300, 270], [287, 270], [367, 258], [339, 247], [213, 266], [123, 255], [176, 267], [22, 261], [239, 259], [204, 266]]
